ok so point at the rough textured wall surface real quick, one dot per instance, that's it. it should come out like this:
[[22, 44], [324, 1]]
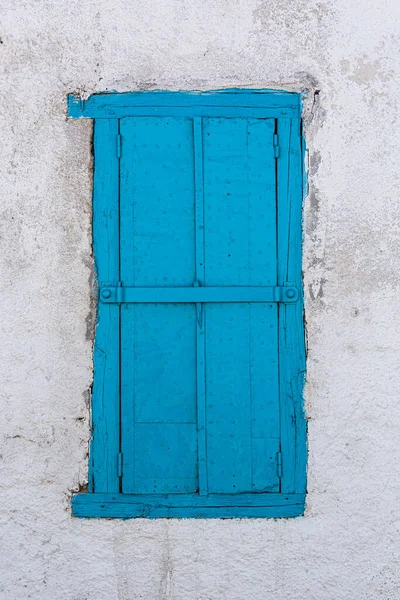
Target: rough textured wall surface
[[347, 546]]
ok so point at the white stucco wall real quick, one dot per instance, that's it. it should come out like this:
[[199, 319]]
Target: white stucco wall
[[347, 546]]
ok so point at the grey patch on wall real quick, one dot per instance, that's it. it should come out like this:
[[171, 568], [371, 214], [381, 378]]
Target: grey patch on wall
[[314, 268], [316, 289], [312, 212], [313, 117], [314, 162], [79, 488], [87, 394], [166, 580], [313, 113], [91, 317], [89, 262], [308, 80]]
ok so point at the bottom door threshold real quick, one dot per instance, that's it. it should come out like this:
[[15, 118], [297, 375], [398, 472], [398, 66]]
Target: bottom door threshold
[[189, 506]]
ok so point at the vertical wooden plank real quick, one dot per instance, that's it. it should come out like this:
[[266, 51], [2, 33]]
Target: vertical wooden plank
[[200, 332], [288, 437], [158, 379], [227, 344], [243, 427], [106, 396], [291, 324], [295, 313], [263, 333], [128, 311]]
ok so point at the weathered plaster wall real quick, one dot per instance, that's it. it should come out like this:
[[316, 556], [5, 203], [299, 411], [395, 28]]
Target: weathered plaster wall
[[347, 546]]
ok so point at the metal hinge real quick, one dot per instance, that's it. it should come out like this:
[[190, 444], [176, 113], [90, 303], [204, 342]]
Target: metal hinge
[[119, 145], [119, 464], [279, 463], [276, 145]]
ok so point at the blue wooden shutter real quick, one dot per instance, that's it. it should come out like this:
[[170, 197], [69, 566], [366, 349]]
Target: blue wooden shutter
[[199, 355], [200, 398]]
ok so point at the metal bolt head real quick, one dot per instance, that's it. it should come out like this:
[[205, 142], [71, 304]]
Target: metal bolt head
[[106, 294], [290, 293]]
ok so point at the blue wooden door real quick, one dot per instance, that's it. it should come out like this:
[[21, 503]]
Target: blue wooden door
[[199, 340]]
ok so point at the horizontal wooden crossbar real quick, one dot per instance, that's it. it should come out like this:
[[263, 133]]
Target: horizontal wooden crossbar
[[128, 295], [219, 103], [222, 506]]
